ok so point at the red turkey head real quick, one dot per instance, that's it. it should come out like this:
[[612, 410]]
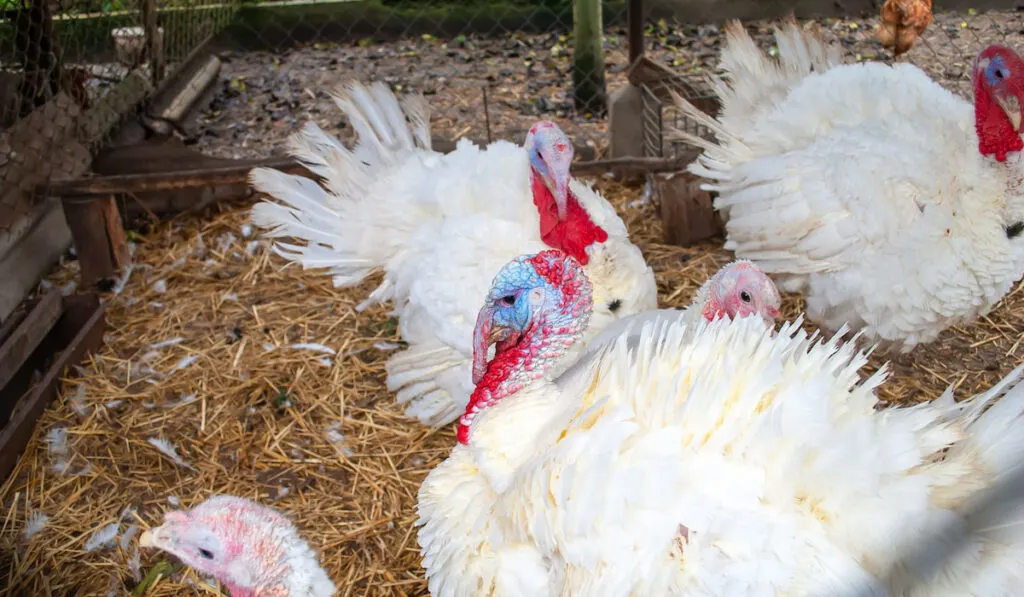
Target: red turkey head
[[998, 96]]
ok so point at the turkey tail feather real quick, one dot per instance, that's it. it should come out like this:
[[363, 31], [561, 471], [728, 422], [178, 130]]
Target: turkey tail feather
[[344, 228], [752, 82]]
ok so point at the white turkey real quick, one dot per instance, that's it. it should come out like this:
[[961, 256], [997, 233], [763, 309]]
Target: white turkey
[[710, 458], [896, 205], [440, 226]]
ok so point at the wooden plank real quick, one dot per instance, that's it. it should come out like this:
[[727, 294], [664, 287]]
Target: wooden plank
[[626, 166], [27, 336], [12, 324], [220, 172], [32, 256], [78, 333]]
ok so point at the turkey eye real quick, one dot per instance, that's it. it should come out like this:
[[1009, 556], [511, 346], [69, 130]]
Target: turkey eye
[[206, 553], [1014, 230], [614, 305], [745, 296], [1001, 73], [509, 300]]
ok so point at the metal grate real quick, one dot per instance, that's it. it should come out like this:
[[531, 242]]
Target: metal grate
[[659, 111]]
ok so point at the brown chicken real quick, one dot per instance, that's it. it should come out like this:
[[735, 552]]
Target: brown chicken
[[902, 22]]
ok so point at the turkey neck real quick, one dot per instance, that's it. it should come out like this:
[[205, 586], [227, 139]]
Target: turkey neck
[[572, 235], [521, 363], [544, 201]]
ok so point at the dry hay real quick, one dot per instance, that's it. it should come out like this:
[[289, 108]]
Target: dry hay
[[310, 433]]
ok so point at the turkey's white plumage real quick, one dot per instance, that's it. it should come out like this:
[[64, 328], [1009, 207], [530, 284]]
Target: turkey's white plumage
[[719, 460], [861, 184], [440, 226]]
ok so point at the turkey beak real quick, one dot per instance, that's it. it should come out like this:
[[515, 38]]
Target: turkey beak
[[498, 333], [559, 187], [1011, 106], [152, 538]]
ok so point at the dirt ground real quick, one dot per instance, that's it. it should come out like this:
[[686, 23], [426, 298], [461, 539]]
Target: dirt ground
[[265, 96]]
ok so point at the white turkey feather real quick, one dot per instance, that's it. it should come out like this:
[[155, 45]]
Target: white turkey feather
[[900, 241], [439, 225], [718, 459]]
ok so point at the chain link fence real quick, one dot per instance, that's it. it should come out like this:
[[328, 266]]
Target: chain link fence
[[489, 69], [69, 70], [945, 52]]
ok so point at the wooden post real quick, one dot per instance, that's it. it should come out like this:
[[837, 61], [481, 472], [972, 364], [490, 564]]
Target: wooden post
[[588, 58], [98, 235], [635, 28], [154, 41], [687, 212]]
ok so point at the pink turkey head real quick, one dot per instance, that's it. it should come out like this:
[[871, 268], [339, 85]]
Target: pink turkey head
[[537, 307], [740, 289], [564, 224], [249, 548], [998, 96], [550, 153]]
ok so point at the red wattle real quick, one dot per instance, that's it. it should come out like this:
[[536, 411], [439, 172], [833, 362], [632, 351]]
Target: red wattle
[[572, 235], [462, 433], [488, 392], [995, 131]]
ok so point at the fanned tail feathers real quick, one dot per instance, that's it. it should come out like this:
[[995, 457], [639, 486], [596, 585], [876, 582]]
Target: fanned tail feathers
[[752, 83], [344, 227]]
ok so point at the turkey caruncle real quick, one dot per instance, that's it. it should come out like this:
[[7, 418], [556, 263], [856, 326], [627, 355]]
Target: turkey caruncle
[[440, 226], [896, 206], [682, 457]]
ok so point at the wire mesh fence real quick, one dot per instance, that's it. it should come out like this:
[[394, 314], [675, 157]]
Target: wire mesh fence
[[69, 69], [488, 69], [945, 52]]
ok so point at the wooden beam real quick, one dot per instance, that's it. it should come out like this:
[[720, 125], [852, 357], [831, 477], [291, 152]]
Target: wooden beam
[[165, 181], [27, 336], [626, 166], [78, 333]]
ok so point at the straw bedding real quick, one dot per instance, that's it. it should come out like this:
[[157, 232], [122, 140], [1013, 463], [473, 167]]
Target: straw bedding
[[224, 373]]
